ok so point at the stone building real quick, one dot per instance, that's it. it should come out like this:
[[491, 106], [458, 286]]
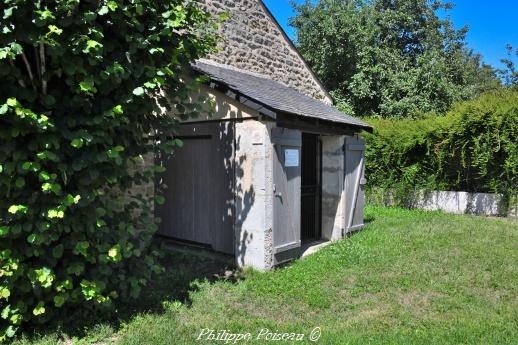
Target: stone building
[[277, 167]]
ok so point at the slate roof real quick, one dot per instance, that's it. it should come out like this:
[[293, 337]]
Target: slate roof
[[274, 95]]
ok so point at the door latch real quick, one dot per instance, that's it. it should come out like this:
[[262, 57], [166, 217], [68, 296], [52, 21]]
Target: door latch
[[279, 194]]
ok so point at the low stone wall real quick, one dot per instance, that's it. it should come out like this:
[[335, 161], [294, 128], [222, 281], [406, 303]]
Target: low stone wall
[[487, 204], [462, 203]]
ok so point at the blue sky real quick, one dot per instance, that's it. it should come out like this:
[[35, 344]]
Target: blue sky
[[492, 24]]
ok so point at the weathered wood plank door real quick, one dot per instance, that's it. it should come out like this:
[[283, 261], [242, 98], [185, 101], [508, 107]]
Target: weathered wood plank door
[[287, 184], [355, 182], [200, 178]]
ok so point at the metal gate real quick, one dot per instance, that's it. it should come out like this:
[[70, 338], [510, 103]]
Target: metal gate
[[311, 188]]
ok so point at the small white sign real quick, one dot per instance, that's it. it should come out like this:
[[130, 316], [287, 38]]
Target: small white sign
[[291, 158]]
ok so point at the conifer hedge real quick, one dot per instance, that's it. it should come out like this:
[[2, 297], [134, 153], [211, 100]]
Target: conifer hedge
[[473, 148]]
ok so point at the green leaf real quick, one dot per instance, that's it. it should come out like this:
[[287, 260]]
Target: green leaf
[[14, 209], [4, 292], [104, 10], [64, 285], [82, 248], [149, 85], [46, 187], [92, 45], [53, 29], [16, 319], [117, 110], [72, 200], [59, 300], [12, 102], [75, 268], [10, 331], [5, 312], [44, 176], [139, 91], [39, 309], [44, 276], [159, 199], [77, 143], [3, 109], [4, 230], [112, 5], [31, 238], [115, 253], [159, 169], [153, 51], [88, 86], [178, 142], [8, 12], [20, 182], [112, 153], [43, 226], [89, 289], [55, 213], [57, 251]]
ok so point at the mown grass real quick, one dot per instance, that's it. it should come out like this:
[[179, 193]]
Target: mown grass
[[411, 277]]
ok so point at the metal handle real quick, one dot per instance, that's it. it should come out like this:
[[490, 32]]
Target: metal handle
[[275, 192]]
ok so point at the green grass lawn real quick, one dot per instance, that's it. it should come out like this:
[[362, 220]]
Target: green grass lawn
[[411, 277]]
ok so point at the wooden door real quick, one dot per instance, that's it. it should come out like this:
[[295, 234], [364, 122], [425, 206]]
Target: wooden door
[[355, 182], [286, 178], [199, 203]]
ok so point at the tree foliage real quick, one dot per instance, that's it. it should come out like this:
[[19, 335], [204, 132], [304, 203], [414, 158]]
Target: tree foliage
[[510, 73], [471, 148], [85, 86], [389, 58]]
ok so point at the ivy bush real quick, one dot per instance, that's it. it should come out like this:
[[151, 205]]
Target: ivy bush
[[84, 93], [471, 148]]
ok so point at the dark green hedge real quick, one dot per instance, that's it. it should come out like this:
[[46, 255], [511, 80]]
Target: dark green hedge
[[473, 147]]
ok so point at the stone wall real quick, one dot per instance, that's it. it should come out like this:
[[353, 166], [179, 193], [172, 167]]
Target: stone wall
[[253, 194], [252, 41], [484, 204]]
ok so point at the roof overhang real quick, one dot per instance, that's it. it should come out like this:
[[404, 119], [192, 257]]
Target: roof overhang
[[277, 101]]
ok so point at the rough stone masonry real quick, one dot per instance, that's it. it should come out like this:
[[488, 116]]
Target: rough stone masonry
[[253, 42]]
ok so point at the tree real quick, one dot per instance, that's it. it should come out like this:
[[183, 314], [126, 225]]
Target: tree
[[510, 73], [389, 58], [87, 89]]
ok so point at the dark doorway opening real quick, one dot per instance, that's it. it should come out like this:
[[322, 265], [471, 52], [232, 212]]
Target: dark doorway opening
[[311, 188]]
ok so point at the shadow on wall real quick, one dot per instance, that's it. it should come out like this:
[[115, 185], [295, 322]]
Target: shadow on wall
[[244, 200], [238, 167]]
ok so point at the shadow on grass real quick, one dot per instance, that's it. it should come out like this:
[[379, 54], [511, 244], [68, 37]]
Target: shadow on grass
[[184, 267], [369, 219]]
